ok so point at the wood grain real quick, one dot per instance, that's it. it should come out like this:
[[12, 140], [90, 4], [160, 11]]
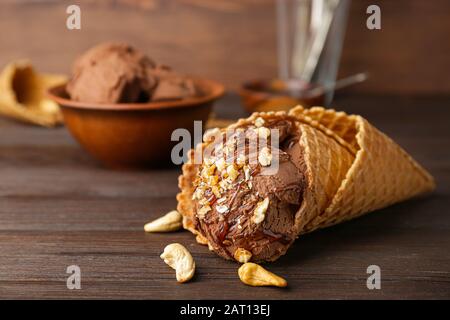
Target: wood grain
[[234, 40], [58, 208]]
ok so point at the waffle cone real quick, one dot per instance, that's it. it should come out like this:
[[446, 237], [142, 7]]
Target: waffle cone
[[185, 182], [22, 95], [327, 163], [381, 174], [351, 169]]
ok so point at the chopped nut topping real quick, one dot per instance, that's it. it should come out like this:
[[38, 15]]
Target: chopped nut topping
[[259, 122], [225, 184], [221, 200], [259, 214], [218, 150], [216, 191], [265, 157], [230, 147], [240, 160], [198, 193], [241, 255], [232, 172], [209, 161], [203, 211], [247, 173], [208, 171], [263, 132], [213, 180], [221, 209], [228, 152], [219, 173], [221, 164], [209, 134], [211, 169]]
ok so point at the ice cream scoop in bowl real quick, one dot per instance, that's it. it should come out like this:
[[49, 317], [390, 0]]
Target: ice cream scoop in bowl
[[122, 107], [134, 135]]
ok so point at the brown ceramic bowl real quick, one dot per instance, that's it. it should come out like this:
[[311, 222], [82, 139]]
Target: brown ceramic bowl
[[134, 135], [271, 95]]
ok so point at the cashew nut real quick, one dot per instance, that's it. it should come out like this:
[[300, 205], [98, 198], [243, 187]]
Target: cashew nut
[[259, 214], [265, 157], [179, 258], [242, 255], [253, 274], [172, 221]]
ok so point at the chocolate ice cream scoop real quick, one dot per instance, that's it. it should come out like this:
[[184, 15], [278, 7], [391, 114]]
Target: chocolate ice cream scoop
[[112, 73], [119, 73], [241, 201], [171, 85]]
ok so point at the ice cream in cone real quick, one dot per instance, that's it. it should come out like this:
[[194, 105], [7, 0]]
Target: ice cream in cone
[[22, 94], [331, 167]]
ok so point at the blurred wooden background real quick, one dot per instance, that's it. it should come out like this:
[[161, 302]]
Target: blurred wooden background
[[234, 40]]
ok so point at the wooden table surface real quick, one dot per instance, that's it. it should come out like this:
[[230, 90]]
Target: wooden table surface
[[59, 208]]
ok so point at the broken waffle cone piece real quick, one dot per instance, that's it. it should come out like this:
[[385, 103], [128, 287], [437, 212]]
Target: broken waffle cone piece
[[344, 168], [22, 94]]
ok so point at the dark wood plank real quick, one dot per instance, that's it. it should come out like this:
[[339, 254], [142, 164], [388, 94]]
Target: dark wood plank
[[58, 208]]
